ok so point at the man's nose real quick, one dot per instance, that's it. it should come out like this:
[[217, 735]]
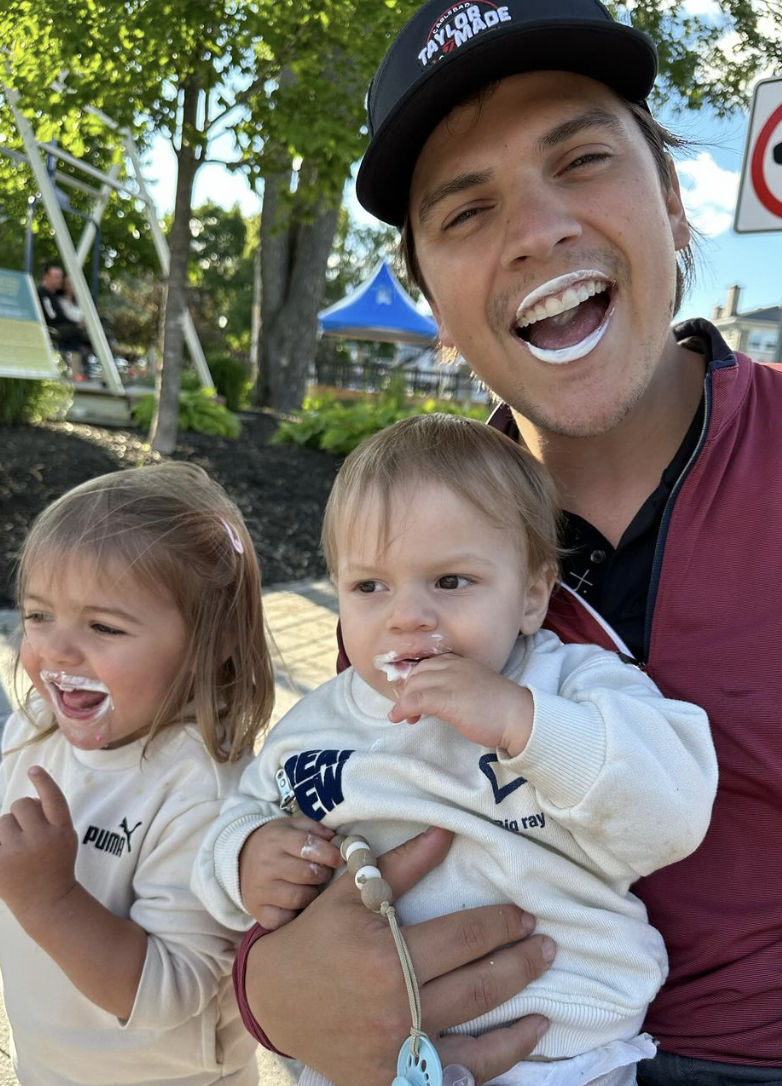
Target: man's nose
[[538, 219]]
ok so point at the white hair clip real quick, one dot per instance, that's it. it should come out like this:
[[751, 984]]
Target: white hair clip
[[235, 540]]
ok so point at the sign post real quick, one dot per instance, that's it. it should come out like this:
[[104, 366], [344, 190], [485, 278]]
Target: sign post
[[759, 206]]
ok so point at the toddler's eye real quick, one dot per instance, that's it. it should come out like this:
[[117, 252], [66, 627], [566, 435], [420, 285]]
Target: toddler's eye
[[34, 617], [368, 587], [102, 628], [451, 580]]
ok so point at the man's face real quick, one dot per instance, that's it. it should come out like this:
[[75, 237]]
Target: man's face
[[548, 246], [53, 279]]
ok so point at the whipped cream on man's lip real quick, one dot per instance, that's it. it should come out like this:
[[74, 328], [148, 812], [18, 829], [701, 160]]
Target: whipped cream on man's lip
[[557, 296]]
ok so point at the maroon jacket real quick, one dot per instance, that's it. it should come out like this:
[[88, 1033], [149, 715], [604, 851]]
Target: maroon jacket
[[714, 637]]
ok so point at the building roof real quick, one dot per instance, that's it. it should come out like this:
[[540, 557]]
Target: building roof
[[770, 313]]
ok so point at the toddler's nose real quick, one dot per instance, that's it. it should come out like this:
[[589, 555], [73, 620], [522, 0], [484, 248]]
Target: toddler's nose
[[411, 611]]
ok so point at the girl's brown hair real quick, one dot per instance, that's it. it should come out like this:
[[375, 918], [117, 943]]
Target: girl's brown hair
[[175, 530], [500, 478]]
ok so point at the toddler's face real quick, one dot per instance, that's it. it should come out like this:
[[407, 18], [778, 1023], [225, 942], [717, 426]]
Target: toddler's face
[[103, 651], [443, 581]]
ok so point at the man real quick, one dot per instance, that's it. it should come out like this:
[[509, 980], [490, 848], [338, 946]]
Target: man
[[68, 334], [542, 217]]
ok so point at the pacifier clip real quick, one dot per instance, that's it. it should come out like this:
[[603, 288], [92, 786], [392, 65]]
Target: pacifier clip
[[418, 1063]]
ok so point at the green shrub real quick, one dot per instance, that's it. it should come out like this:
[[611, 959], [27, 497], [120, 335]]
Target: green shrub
[[198, 411], [190, 382], [326, 423], [23, 401], [231, 380]]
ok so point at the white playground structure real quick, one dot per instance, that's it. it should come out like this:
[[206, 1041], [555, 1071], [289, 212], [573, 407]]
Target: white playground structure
[[74, 255]]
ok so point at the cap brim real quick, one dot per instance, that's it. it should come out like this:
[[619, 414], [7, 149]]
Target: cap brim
[[619, 56]]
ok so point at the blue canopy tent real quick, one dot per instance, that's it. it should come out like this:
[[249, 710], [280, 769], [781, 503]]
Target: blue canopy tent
[[380, 309]]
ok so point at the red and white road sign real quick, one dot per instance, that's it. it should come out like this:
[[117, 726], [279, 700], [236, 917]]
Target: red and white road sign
[[759, 207]]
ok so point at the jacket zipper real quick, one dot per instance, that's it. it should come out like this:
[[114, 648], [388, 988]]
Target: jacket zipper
[[659, 546]]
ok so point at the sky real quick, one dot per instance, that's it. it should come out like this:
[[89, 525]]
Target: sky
[[709, 172]]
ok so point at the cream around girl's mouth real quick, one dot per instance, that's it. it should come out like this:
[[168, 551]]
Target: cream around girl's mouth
[[76, 697]]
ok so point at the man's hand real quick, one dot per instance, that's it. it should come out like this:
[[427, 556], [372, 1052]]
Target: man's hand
[[281, 866], [338, 999], [37, 850], [483, 706]]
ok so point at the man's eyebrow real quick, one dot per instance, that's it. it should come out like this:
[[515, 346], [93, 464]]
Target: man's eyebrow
[[590, 118], [452, 187]]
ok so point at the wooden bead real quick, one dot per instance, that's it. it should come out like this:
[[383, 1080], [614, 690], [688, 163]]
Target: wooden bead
[[374, 892], [352, 840], [362, 857], [337, 840]]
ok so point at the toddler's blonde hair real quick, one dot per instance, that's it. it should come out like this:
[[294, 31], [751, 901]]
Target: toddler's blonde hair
[[169, 527], [500, 478]]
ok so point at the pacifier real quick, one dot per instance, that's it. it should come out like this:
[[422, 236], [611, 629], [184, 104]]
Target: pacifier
[[424, 1069], [418, 1063]]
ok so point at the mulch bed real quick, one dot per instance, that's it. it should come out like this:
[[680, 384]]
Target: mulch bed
[[280, 489]]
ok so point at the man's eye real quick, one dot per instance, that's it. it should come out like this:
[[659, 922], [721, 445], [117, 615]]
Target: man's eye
[[588, 159], [451, 580], [463, 216]]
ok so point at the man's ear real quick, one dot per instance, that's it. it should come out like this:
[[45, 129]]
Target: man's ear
[[535, 605], [677, 217], [442, 330]]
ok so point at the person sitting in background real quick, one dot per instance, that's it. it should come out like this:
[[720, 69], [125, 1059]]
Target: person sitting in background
[[68, 332]]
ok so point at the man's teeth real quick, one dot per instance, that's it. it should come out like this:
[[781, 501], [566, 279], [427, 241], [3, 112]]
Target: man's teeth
[[569, 299]]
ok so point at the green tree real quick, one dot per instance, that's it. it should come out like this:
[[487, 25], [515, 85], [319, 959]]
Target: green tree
[[166, 66], [193, 69], [221, 276], [709, 60]]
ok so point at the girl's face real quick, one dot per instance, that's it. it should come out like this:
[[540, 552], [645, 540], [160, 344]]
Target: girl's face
[[103, 650]]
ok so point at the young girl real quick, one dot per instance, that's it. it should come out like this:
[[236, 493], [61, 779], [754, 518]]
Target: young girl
[[144, 641]]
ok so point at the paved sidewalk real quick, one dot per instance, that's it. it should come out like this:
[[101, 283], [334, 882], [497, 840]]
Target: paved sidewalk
[[301, 618]]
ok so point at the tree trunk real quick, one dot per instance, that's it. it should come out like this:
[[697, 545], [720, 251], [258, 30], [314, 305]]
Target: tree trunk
[[294, 255], [255, 315], [165, 423]]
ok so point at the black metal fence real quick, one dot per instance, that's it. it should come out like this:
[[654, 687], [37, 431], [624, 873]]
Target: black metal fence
[[446, 382]]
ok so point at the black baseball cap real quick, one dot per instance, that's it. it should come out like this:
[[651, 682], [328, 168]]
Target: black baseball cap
[[448, 51]]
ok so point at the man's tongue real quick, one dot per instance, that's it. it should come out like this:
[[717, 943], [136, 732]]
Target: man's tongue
[[81, 699], [572, 326]]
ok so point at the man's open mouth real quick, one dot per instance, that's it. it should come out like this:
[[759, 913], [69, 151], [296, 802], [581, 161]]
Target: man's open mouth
[[566, 318], [76, 696]]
